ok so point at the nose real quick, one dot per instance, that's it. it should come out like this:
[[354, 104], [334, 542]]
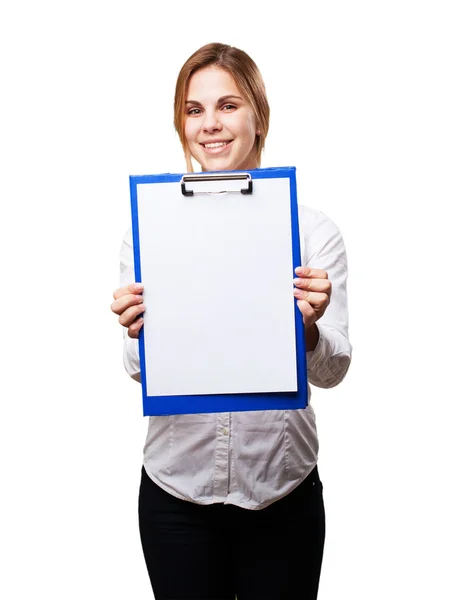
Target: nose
[[211, 122]]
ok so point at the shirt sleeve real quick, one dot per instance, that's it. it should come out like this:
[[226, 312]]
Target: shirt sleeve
[[328, 364], [131, 358]]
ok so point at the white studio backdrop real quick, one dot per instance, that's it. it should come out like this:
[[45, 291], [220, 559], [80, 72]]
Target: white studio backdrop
[[359, 97]]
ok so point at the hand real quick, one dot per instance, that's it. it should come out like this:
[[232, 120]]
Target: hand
[[128, 305], [313, 292]]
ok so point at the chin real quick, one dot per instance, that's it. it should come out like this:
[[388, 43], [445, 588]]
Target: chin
[[226, 165], [219, 165]]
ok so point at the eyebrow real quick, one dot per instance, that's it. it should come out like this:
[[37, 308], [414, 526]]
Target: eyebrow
[[219, 101]]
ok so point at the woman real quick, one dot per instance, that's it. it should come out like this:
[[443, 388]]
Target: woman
[[231, 503]]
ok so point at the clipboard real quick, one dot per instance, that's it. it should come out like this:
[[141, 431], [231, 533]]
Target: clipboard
[[216, 254]]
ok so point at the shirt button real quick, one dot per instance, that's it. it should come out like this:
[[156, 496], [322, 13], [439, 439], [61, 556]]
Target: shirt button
[[225, 431]]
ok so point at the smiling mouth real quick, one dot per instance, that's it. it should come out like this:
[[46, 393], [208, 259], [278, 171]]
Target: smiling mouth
[[216, 145]]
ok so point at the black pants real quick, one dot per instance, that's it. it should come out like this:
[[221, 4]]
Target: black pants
[[218, 551]]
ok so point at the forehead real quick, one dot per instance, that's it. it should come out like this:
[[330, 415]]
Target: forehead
[[210, 83]]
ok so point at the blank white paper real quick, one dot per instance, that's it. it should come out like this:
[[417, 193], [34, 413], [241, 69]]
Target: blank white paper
[[217, 271]]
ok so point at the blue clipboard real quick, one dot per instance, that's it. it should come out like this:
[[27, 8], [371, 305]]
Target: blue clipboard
[[216, 195]]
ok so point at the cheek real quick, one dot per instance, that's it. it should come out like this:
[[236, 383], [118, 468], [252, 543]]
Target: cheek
[[190, 130], [249, 129]]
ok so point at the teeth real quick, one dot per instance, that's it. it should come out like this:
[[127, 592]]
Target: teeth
[[215, 145]]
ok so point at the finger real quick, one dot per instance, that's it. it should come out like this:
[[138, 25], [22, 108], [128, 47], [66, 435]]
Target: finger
[[132, 288], [124, 302], [313, 285], [308, 314], [318, 300], [134, 328], [130, 314], [309, 272]]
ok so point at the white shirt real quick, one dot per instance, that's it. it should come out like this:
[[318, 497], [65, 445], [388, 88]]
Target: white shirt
[[251, 458]]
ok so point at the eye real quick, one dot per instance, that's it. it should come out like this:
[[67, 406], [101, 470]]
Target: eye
[[194, 111], [228, 107]]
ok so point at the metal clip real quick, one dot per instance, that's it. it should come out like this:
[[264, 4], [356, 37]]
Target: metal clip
[[214, 177]]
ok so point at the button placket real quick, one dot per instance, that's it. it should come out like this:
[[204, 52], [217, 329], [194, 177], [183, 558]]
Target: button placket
[[222, 457]]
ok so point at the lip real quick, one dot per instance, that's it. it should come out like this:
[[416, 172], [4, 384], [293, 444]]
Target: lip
[[218, 150]]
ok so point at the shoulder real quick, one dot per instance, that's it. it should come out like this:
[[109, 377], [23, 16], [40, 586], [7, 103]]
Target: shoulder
[[311, 218], [128, 236], [126, 251], [319, 233]]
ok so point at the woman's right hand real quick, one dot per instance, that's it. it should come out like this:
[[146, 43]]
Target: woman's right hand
[[128, 304]]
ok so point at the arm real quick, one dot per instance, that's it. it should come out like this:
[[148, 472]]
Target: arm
[[128, 305], [322, 299]]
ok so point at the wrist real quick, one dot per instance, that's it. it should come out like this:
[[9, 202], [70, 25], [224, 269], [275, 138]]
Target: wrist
[[312, 336]]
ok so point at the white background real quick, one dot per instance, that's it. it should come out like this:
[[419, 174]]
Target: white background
[[359, 98]]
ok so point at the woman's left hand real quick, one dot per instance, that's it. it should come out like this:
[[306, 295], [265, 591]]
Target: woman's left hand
[[313, 293]]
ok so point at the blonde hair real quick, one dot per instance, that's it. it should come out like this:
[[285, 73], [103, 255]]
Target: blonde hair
[[247, 78]]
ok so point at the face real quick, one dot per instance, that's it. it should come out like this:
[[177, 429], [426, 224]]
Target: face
[[220, 124]]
